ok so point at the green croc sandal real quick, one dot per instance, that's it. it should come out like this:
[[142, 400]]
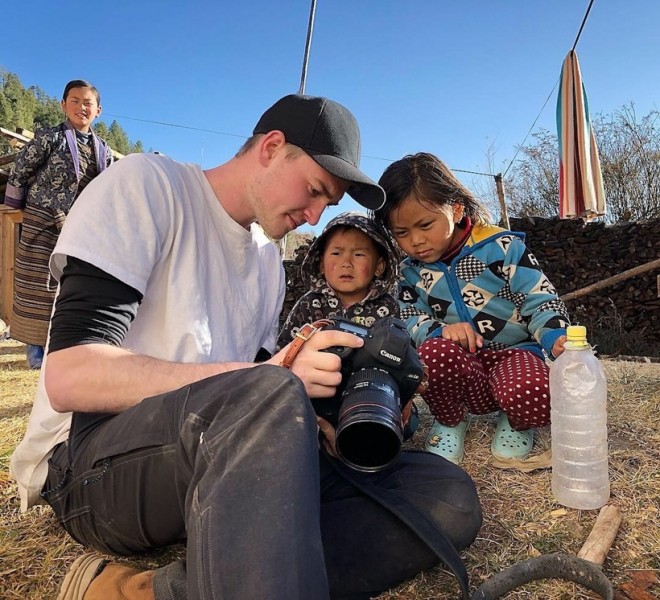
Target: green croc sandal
[[447, 441], [509, 443]]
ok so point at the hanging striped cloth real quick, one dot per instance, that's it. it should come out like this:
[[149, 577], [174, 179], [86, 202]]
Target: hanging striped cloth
[[581, 192]]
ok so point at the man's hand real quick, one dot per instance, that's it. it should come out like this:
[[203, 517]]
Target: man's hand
[[464, 335], [318, 370], [558, 346]]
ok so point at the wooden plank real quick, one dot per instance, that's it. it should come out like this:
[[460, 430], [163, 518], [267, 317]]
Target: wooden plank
[[26, 132], [10, 222], [13, 136]]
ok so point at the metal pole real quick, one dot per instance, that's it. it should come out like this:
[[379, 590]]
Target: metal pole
[[308, 43]]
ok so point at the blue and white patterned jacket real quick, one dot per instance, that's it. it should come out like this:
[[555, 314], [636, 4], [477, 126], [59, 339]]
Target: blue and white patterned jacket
[[51, 158], [495, 283]]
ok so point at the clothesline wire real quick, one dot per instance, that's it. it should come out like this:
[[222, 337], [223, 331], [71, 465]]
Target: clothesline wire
[[577, 38], [520, 146], [584, 20]]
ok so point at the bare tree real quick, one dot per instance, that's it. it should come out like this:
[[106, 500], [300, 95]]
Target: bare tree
[[484, 187], [629, 151], [630, 160], [532, 183]]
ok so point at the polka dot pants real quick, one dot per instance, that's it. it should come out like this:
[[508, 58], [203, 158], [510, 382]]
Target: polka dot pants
[[460, 382]]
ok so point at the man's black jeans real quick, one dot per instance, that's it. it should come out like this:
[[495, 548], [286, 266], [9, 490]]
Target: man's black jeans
[[230, 466]]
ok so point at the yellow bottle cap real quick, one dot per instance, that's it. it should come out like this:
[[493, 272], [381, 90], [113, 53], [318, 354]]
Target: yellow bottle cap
[[576, 337], [576, 333]]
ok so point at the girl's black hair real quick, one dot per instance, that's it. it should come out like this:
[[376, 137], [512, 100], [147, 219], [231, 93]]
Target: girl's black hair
[[426, 179], [81, 83]]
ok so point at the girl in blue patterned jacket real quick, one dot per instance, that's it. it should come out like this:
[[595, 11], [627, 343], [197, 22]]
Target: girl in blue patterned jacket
[[477, 305]]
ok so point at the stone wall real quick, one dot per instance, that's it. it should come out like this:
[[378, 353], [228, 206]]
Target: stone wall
[[623, 318]]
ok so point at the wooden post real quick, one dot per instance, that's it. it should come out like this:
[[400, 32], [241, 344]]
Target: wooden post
[[10, 221], [499, 183]]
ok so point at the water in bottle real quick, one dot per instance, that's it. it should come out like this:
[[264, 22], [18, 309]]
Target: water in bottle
[[578, 402]]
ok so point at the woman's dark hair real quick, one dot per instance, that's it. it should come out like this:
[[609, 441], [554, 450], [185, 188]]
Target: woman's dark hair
[[426, 179], [81, 83]]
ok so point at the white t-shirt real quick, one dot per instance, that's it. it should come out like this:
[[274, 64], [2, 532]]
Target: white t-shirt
[[213, 291]]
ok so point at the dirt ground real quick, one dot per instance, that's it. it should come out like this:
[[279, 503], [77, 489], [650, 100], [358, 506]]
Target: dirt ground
[[521, 519]]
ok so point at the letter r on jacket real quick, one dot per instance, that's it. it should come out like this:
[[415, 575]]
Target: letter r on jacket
[[485, 326]]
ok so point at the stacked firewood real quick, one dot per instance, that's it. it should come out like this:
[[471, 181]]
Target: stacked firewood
[[294, 285], [575, 254]]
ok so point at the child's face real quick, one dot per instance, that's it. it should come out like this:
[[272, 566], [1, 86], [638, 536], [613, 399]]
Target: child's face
[[81, 108], [349, 263], [424, 231]]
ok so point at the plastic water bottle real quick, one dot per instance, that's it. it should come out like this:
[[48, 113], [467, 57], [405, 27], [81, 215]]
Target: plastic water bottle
[[578, 403]]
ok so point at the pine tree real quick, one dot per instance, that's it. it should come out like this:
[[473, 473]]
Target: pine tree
[[48, 112], [118, 139], [101, 129], [22, 102]]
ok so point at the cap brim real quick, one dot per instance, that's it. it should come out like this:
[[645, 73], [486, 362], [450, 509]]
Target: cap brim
[[367, 192]]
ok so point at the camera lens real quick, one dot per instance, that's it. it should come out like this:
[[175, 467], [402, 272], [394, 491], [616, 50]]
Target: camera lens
[[369, 430]]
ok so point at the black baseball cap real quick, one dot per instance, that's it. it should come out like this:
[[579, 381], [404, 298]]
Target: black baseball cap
[[328, 133]]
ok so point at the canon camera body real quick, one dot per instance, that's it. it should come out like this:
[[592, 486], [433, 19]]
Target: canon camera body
[[378, 380]]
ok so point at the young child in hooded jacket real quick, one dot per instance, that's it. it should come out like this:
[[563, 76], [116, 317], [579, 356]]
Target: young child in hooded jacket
[[478, 307], [351, 272]]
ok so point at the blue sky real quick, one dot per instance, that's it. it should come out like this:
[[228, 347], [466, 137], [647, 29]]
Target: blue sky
[[453, 78]]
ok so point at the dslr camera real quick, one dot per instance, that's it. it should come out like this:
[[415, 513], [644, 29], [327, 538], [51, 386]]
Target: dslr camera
[[378, 380]]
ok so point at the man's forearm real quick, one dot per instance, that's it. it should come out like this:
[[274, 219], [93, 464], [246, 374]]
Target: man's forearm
[[104, 378]]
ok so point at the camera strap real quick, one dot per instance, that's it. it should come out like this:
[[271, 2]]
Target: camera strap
[[305, 332], [426, 531]]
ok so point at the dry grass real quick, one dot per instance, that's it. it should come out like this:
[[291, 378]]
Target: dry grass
[[521, 519]]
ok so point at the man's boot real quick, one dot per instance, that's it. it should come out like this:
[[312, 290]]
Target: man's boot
[[92, 577]]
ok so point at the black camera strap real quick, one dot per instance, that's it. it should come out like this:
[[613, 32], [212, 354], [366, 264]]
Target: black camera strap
[[427, 531]]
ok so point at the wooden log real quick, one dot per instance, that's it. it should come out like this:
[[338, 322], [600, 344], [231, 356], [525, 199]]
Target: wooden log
[[602, 535], [650, 266]]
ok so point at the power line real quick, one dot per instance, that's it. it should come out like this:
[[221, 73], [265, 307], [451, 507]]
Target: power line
[[577, 38], [474, 172], [520, 146], [246, 137], [391, 160], [176, 125]]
